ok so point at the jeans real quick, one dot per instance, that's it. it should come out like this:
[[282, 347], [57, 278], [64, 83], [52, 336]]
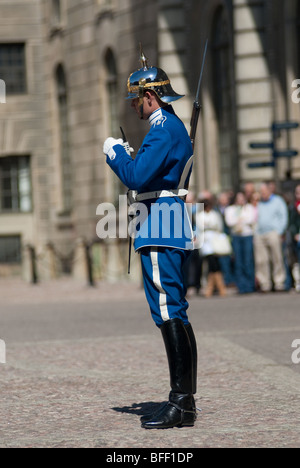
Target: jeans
[[244, 263], [227, 269]]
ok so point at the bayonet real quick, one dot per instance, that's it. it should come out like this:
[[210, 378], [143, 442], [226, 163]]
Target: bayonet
[[197, 106]]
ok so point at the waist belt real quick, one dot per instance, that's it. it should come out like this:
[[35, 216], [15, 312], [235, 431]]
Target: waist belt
[[161, 194]]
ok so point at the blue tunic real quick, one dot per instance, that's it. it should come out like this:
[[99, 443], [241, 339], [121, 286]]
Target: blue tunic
[[164, 162]]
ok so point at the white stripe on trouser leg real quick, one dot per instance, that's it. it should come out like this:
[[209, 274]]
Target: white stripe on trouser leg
[[157, 281]]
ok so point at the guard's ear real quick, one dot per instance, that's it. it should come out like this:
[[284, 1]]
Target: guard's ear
[[152, 98], [148, 95]]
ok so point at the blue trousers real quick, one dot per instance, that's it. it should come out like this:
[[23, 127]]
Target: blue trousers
[[244, 263], [164, 283]]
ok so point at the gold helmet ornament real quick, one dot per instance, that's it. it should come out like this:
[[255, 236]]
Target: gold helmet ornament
[[150, 78]]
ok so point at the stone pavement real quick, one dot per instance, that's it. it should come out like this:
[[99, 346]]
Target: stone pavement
[[84, 364]]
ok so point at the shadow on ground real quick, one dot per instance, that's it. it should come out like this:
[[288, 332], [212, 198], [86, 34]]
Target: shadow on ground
[[140, 409]]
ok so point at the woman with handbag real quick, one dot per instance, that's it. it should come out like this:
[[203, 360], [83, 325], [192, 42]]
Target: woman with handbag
[[212, 247]]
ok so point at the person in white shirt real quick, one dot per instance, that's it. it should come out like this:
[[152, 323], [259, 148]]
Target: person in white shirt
[[211, 222], [271, 226], [241, 218]]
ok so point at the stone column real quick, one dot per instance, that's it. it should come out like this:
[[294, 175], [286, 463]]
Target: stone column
[[253, 86], [172, 46]]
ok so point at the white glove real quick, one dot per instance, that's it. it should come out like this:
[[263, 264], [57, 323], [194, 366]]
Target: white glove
[[108, 147]]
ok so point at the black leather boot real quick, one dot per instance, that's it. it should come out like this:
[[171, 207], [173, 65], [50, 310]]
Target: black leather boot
[[193, 342], [150, 416], [180, 411]]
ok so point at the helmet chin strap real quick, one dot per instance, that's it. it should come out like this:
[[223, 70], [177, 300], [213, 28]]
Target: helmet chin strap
[[142, 111], [142, 83]]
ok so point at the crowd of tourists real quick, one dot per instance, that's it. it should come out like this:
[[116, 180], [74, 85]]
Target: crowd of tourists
[[248, 240]]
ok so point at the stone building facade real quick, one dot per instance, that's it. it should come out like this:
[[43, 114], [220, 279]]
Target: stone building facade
[[65, 64]]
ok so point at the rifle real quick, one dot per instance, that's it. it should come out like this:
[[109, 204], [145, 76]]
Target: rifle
[[197, 106], [129, 216]]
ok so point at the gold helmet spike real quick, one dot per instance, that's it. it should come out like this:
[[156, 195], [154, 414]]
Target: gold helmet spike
[[143, 58]]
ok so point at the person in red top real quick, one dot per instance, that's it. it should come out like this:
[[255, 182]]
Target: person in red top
[[297, 195], [295, 232]]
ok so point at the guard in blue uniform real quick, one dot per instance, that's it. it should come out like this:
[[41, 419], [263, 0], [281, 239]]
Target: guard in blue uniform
[[158, 179]]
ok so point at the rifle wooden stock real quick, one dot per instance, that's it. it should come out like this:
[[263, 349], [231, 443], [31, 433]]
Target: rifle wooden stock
[[129, 217]]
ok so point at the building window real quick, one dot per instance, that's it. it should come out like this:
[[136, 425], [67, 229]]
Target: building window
[[65, 158], [56, 12], [10, 250], [223, 81], [15, 185], [13, 68]]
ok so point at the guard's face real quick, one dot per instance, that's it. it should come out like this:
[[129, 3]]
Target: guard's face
[[136, 107], [147, 107]]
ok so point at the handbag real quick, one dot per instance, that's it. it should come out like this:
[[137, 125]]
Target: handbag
[[221, 244]]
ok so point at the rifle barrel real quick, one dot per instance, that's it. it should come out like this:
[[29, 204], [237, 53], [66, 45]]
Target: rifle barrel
[[194, 121]]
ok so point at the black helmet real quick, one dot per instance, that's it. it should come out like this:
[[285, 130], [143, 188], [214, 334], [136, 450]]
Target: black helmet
[[151, 78]]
